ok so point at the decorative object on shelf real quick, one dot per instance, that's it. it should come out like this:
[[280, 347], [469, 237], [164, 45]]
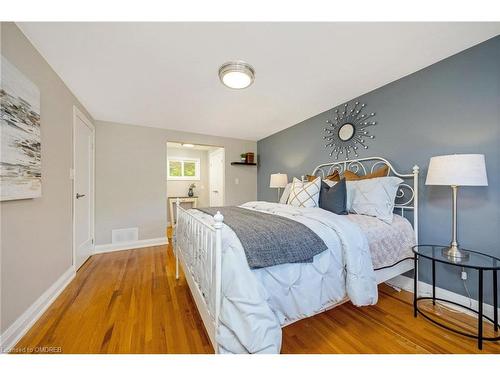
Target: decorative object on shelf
[[278, 180], [454, 171], [250, 157], [20, 160], [348, 130], [236, 74], [190, 190]]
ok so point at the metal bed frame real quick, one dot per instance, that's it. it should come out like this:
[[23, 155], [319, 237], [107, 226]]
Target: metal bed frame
[[198, 245]]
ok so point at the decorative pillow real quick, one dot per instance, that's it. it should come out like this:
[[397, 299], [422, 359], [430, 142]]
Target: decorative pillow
[[304, 194], [286, 193], [333, 198], [335, 176], [332, 177], [380, 172], [373, 197], [330, 183]]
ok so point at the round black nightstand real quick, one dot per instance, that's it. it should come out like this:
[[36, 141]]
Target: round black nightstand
[[477, 261]]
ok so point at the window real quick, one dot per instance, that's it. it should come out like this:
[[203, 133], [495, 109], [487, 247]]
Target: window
[[183, 169]]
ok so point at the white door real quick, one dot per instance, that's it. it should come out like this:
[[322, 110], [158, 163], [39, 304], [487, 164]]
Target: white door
[[216, 177], [83, 188]]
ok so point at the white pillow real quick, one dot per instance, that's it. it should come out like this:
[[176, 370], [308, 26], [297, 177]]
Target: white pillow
[[304, 194], [286, 193], [286, 190], [373, 197]]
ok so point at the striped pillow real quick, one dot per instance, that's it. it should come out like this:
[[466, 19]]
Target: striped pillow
[[304, 194]]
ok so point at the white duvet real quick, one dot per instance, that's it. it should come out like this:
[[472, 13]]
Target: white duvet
[[257, 303]]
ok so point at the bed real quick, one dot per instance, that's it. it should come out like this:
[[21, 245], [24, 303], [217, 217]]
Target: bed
[[244, 309]]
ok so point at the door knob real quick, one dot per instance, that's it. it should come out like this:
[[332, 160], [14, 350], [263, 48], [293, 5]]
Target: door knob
[[215, 191], [78, 196]]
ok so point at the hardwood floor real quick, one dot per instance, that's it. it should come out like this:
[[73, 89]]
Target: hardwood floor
[[130, 302]]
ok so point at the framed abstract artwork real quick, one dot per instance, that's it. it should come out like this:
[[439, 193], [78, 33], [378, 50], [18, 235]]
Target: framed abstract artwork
[[20, 153]]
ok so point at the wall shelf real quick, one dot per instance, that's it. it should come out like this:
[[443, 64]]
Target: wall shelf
[[242, 163]]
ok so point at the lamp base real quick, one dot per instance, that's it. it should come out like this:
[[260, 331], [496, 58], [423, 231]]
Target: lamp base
[[454, 253]]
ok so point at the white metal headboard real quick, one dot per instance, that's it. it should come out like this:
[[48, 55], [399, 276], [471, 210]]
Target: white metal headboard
[[407, 195]]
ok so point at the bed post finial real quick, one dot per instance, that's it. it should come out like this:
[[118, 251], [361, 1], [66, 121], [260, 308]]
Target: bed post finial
[[174, 227], [416, 170], [219, 218]]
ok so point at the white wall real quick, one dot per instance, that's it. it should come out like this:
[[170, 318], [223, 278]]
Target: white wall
[[131, 172], [36, 234]]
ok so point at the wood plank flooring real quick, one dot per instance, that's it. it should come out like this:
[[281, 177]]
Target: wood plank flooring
[[130, 302]]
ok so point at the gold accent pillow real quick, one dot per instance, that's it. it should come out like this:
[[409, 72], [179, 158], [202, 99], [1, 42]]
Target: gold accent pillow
[[381, 172], [332, 177]]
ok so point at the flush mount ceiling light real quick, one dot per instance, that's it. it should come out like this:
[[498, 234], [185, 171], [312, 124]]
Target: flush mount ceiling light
[[236, 74]]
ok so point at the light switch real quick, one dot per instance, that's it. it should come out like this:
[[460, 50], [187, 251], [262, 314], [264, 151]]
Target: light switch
[[236, 181]]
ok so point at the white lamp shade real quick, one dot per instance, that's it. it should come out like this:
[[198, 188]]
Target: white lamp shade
[[278, 180], [457, 170]]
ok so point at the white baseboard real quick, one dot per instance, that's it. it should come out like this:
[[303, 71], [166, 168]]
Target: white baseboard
[[107, 248], [22, 324], [425, 290]]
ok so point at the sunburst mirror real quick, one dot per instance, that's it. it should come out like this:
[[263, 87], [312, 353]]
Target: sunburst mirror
[[348, 130]]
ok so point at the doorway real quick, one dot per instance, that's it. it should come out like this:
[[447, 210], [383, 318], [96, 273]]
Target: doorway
[[216, 177], [83, 188], [195, 175]]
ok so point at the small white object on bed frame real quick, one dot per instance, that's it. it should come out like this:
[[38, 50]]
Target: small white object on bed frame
[[198, 245]]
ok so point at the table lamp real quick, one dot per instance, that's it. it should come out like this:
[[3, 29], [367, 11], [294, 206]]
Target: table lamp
[[278, 180], [454, 171]]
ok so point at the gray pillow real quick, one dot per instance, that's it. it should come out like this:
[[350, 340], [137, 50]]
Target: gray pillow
[[334, 198]]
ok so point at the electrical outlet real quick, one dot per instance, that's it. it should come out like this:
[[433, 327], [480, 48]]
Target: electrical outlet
[[463, 275]]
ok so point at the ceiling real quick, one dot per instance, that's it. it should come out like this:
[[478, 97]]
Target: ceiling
[[165, 74], [194, 147]]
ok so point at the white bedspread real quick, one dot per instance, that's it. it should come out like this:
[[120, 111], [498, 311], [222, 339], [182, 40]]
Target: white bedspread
[[257, 303]]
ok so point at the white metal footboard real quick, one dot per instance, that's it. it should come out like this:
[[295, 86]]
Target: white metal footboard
[[198, 247]]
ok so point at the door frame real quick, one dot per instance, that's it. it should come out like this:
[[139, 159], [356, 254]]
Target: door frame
[[79, 114], [223, 151]]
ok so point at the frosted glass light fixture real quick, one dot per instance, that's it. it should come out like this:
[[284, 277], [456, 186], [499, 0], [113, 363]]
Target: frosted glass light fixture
[[236, 74]]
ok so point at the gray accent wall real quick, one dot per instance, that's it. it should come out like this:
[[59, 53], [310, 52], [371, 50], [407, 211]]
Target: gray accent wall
[[450, 107]]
